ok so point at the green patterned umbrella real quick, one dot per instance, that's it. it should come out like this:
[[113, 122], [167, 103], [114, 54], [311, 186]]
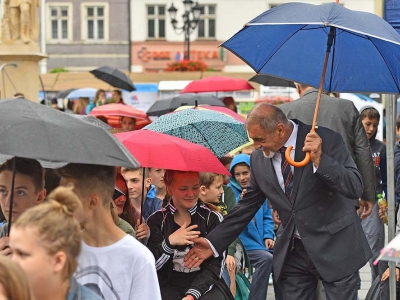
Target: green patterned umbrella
[[216, 131]]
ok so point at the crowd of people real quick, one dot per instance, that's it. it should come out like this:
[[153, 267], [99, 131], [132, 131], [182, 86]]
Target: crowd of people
[[98, 232]]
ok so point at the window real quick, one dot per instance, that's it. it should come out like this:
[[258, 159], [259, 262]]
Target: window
[[95, 21], [207, 26], [59, 22], [156, 21]]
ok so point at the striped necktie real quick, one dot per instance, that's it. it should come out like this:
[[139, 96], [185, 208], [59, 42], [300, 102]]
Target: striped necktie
[[287, 175]]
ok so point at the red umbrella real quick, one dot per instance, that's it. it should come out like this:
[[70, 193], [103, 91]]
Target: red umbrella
[[217, 84], [118, 109], [158, 150]]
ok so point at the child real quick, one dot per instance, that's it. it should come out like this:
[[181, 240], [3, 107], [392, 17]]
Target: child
[[258, 237], [212, 191], [134, 181], [158, 188], [112, 263], [128, 123], [171, 238], [373, 225], [29, 191]]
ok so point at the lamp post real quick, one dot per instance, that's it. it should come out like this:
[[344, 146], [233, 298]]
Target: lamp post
[[190, 18]]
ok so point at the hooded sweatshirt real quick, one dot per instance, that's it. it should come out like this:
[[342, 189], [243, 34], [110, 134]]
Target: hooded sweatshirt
[[378, 150], [262, 225]]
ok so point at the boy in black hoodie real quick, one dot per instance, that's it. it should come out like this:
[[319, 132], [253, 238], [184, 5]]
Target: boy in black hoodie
[[373, 225]]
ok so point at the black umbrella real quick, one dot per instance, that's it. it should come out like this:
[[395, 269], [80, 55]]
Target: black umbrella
[[162, 107], [63, 94], [114, 77], [94, 121], [31, 130], [268, 80]]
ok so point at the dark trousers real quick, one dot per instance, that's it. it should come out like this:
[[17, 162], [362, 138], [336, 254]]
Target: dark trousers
[[174, 292], [300, 278]]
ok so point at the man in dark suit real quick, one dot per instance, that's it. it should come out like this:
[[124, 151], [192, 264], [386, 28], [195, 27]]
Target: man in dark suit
[[322, 236], [341, 116]]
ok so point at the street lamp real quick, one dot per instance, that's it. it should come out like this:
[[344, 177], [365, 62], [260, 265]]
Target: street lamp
[[190, 19]]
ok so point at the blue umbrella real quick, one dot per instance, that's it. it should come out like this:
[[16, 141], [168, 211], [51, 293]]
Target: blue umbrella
[[216, 131], [290, 41], [85, 92], [353, 51]]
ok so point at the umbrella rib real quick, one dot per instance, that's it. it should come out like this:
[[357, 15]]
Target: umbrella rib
[[387, 65]]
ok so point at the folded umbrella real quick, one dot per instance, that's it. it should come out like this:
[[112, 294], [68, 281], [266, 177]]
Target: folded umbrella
[[162, 107], [114, 77], [218, 132], [157, 150]]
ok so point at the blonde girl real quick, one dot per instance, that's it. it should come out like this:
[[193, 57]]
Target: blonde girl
[[45, 242]]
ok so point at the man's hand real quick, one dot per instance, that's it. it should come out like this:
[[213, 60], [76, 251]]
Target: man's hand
[[313, 144], [385, 275], [269, 244], [199, 253], [4, 247], [275, 217], [365, 208]]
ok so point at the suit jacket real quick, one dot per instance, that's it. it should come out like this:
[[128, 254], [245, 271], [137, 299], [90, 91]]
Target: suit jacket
[[321, 210], [341, 116]]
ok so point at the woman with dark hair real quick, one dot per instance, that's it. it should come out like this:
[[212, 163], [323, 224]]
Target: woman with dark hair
[[173, 230]]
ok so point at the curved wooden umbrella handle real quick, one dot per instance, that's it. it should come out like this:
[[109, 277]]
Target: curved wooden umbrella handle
[[307, 159], [294, 163]]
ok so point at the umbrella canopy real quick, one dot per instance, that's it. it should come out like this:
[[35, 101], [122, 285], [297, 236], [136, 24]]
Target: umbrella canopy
[[114, 77], [217, 84], [94, 121], [268, 80], [216, 131], [220, 109], [157, 150], [86, 93], [63, 94], [162, 107], [118, 109], [31, 130], [290, 41]]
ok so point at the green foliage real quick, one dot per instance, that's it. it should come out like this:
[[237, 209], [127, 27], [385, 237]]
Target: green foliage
[[58, 70]]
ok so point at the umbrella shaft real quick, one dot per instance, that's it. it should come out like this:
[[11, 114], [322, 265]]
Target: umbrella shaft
[[321, 84]]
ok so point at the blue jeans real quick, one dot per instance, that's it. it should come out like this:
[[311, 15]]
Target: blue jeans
[[261, 260]]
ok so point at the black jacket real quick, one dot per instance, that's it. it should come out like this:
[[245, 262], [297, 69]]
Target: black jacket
[[162, 225]]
